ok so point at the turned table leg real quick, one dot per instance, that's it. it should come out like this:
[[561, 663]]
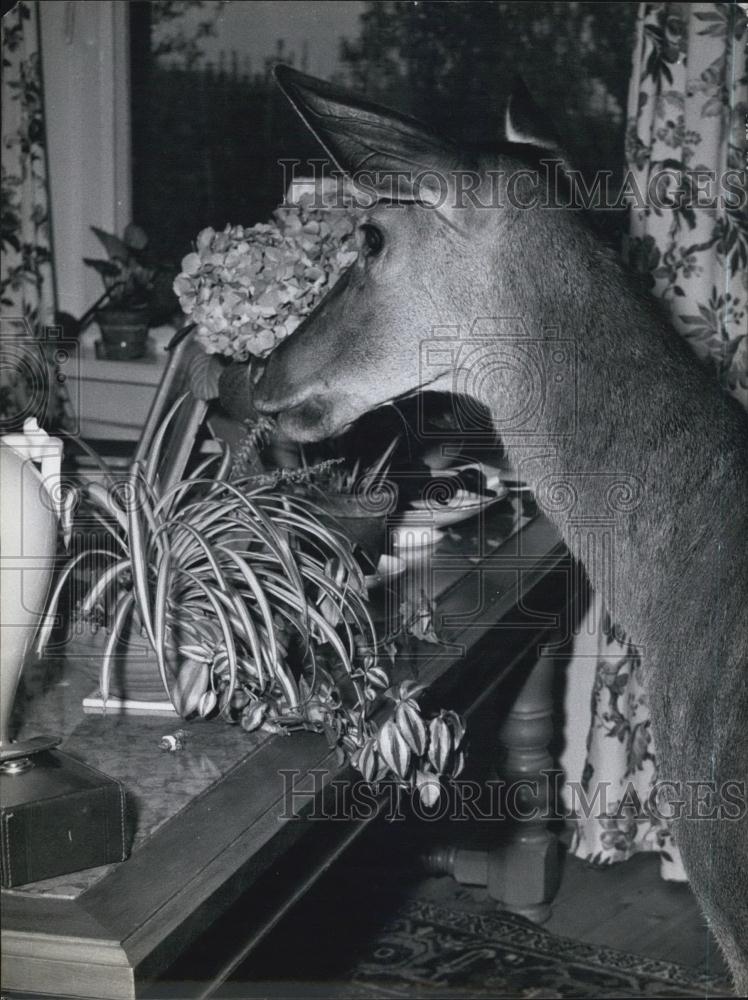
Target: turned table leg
[[526, 878], [521, 872]]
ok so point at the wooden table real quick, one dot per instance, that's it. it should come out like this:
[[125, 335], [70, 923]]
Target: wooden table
[[222, 827]]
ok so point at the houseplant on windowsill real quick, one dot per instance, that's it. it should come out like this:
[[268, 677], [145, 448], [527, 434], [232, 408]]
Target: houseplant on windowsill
[[130, 276], [256, 614]]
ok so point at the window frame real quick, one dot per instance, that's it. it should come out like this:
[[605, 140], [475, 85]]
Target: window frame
[[85, 65]]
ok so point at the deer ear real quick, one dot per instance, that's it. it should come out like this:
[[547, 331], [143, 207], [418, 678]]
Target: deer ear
[[361, 137], [526, 123]]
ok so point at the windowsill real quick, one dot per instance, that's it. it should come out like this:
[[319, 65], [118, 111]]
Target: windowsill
[[145, 370], [112, 398]]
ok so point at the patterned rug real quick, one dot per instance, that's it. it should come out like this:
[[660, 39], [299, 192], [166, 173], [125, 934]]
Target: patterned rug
[[431, 951], [425, 950]]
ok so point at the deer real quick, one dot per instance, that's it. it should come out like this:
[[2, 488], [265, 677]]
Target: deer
[[459, 241]]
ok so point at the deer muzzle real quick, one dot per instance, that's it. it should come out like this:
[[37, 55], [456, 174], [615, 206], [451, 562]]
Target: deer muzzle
[[295, 385]]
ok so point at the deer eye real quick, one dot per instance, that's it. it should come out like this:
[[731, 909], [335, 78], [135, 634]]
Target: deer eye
[[373, 239]]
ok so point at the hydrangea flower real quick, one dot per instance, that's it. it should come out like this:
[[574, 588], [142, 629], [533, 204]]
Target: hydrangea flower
[[248, 288]]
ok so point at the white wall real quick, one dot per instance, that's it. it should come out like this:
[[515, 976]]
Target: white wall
[[86, 81]]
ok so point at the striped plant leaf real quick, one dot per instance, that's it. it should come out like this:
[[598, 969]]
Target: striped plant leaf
[[378, 677], [367, 760], [154, 452], [253, 716], [456, 725], [124, 608], [104, 498], [440, 744], [138, 555], [207, 704], [189, 687], [409, 722], [394, 749], [50, 618]]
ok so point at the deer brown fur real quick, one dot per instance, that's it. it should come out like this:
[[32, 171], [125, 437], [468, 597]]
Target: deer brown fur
[[640, 409]]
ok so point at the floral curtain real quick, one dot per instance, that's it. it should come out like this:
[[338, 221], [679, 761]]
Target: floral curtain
[[26, 278], [686, 114]]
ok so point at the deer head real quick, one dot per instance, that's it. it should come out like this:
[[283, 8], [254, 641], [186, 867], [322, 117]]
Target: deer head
[[634, 410], [429, 259]]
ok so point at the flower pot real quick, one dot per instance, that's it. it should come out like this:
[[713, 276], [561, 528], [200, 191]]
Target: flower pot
[[124, 332], [135, 675]]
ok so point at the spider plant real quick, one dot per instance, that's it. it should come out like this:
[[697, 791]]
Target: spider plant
[[256, 612], [357, 502], [338, 480]]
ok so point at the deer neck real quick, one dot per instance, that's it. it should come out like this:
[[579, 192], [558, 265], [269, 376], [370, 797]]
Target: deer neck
[[625, 417], [584, 357]]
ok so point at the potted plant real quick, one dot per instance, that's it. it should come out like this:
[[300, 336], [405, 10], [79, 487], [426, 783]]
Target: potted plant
[[256, 613], [358, 502], [125, 310]]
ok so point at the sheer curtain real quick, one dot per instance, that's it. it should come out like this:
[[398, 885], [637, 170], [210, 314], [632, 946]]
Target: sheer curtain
[[27, 283], [687, 107], [27, 385]]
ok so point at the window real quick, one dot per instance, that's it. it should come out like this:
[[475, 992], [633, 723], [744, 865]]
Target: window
[[85, 67], [209, 125]]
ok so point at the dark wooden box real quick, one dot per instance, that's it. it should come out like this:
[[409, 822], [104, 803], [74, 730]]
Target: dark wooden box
[[60, 816]]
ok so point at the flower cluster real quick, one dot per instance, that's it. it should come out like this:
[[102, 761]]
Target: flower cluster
[[248, 288]]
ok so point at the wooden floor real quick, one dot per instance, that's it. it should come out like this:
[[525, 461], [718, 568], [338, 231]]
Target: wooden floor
[[627, 907], [630, 907]]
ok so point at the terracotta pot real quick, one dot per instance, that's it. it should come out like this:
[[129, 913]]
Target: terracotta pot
[[134, 672], [124, 332], [134, 675]]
